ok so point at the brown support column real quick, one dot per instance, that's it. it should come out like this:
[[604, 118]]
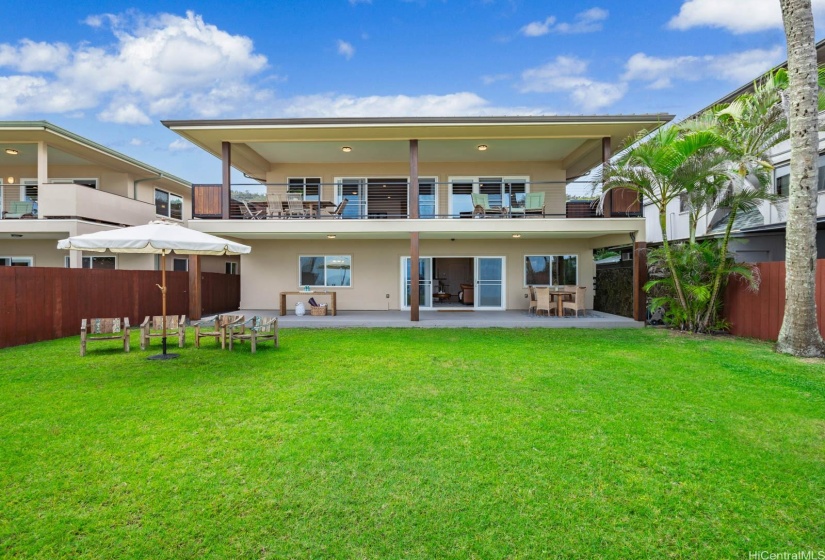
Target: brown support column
[[413, 179], [415, 300], [607, 153], [226, 190], [195, 298], [639, 280]]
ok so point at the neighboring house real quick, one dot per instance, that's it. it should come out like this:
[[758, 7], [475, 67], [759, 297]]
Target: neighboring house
[[54, 184], [758, 235], [387, 229]]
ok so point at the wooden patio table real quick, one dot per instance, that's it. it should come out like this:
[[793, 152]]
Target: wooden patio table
[[558, 294], [332, 299]]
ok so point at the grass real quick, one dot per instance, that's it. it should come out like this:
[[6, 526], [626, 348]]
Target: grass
[[414, 443]]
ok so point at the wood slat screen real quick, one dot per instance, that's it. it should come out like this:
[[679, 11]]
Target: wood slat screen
[[39, 304], [759, 314], [206, 201]]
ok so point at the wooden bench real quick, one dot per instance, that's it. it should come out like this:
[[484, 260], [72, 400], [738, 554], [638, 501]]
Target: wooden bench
[[103, 329], [152, 327]]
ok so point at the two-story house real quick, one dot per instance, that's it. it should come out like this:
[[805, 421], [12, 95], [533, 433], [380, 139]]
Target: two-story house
[[55, 184], [412, 213]]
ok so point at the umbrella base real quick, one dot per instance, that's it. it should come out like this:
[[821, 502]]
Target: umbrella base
[[163, 357]]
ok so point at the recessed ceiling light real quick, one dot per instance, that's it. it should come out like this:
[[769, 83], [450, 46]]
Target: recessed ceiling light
[[330, 237], [516, 235], [12, 151], [346, 149], [482, 147]]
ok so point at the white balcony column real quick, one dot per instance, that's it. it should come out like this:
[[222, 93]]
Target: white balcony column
[[75, 259], [42, 170]]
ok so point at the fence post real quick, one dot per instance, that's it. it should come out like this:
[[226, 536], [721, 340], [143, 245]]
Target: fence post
[[195, 299]]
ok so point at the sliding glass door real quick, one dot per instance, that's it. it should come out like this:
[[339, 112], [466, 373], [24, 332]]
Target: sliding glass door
[[489, 293], [425, 282]]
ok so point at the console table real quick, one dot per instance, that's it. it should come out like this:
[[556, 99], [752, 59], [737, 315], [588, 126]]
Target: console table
[[332, 299]]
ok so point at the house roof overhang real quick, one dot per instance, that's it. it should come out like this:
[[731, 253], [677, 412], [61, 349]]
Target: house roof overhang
[[68, 148], [260, 144]]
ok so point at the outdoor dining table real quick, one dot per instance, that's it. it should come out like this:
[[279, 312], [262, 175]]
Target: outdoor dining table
[[313, 206], [558, 294]]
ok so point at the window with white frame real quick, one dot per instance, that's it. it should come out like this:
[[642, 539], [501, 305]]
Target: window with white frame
[[500, 191], [782, 178], [328, 271], [231, 267], [16, 261], [168, 204], [105, 263], [308, 187], [550, 270]]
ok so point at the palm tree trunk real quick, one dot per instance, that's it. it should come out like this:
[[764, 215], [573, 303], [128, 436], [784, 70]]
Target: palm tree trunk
[[720, 271], [669, 259], [799, 334]]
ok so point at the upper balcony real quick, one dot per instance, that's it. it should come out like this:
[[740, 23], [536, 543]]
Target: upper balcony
[[390, 198], [51, 201]]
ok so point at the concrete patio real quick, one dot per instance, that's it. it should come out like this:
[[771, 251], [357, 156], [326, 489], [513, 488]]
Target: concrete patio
[[449, 319]]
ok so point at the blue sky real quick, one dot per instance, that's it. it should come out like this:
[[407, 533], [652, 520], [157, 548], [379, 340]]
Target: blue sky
[[111, 71]]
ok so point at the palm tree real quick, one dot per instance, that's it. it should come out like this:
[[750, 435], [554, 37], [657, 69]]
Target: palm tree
[[656, 167], [799, 334]]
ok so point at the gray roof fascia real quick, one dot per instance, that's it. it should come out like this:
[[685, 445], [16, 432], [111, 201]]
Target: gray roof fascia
[[54, 129]]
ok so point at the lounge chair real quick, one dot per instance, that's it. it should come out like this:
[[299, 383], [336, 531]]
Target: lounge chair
[[218, 326], [248, 213], [152, 327], [533, 204], [295, 206], [481, 206], [19, 209], [104, 329], [274, 206], [339, 210], [255, 330]]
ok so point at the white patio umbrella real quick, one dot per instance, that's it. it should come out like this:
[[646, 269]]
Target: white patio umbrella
[[157, 237]]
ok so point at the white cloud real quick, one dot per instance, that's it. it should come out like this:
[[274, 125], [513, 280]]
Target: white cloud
[[567, 74], [737, 67], [137, 142], [587, 21], [345, 49], [454, 104], [493, 78], [180, 145], [735, 15], [124, 113], [163, 61]]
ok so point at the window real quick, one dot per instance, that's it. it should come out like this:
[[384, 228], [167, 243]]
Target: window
[[426, 198], [168, 205], [107, 263], [16, 261], [308, 187], [326, 271], [85, 182], [67, 261], [180, 265], [231, 267], [782, 179], [550, 270]]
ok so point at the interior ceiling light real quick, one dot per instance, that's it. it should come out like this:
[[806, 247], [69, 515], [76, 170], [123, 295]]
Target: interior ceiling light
[[12, 151], [346, 149], [482, 147]]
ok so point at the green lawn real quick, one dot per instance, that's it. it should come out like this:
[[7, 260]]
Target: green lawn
[[414, 443]]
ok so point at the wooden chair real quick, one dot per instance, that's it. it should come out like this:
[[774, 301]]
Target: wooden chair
[[578, 301], [248, 213], [19, 209], [339, 210], [274, 205], [295, 206], [254, 330], [543, 300], [152, 327], [104, 329], [219, 325]]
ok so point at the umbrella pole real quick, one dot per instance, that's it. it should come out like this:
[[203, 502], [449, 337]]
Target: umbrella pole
[[163, 297]]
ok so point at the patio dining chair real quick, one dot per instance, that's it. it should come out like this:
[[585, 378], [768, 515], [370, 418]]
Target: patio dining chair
[[257, 329], [578, 301], [543, 302], [532, 307], [274, 205], [248, 213], [295, 206], [339, 210]]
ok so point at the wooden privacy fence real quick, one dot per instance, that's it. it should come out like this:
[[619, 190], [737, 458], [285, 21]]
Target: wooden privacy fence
[[759, 314], [47, 303]]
